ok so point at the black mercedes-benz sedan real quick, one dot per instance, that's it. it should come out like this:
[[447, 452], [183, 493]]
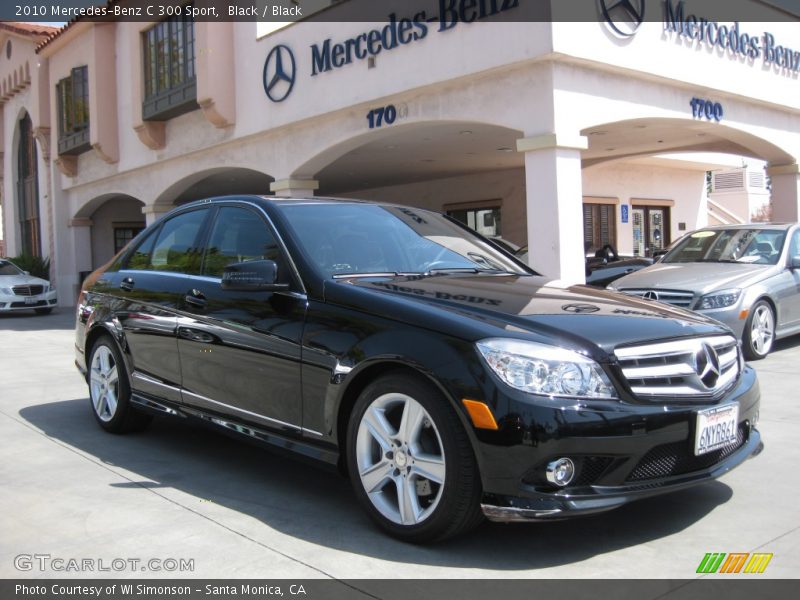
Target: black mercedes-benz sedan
[[446, 379]]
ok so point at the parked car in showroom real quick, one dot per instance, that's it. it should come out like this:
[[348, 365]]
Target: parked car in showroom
[[444, 377], [746, 276], [21, 291]]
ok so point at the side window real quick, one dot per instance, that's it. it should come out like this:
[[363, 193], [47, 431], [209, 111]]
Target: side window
[[238, 235], [174, 249], [140, 259], [794, 249]]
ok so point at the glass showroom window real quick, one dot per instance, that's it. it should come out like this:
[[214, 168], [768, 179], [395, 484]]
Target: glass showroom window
[[484, 220], [170, 85], [599, 226], [73, 112], [125, 233]]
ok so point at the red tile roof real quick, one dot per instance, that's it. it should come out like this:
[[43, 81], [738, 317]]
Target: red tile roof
[[30, 29]]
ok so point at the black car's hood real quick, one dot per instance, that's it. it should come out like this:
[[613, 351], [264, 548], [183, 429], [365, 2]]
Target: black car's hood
[[499, 304]]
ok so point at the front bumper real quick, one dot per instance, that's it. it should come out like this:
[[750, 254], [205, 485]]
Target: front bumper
[[14, 303], [729, 317], [623, 451]]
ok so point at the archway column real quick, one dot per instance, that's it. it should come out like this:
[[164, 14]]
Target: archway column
[[80, 232], [554, 203], [299, 188], [153, 212], [785, 192]]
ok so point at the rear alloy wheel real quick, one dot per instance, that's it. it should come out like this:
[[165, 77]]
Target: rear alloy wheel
[[759, 331], [410, 461], [109, 390]]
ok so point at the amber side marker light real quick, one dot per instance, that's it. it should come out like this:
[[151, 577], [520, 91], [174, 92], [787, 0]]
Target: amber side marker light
[[480, 414], [743, 314]]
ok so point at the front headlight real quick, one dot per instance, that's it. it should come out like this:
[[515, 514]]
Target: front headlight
[[542, 369], [6, 291], [721, 299]]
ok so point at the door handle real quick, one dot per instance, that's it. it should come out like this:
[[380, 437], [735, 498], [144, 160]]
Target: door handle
[[195, 298], [127, 284]]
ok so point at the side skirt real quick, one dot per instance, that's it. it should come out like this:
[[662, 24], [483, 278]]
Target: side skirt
[[291, 446]]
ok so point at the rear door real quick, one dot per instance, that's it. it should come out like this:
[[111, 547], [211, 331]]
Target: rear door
[[240, 351]]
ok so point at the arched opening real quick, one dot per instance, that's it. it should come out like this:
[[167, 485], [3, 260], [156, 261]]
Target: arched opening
[[27, 190], [115, 220], [646, 182], [221, 181], [467, 169]]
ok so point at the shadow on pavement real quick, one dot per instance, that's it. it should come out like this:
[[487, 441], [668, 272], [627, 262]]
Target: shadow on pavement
[[318, 506], [61, 318]]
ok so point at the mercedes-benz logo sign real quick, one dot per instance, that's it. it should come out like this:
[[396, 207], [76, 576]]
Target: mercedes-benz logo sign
[[580, 308], [279, 73], [623, 16], [706, 365], [650, 295]]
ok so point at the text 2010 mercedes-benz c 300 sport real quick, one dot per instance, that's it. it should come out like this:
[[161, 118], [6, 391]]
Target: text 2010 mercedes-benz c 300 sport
[[442, 375]]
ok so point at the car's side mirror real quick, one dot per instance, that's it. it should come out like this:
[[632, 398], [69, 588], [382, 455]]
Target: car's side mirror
[[794, 262], [27, 272], [252, 276]]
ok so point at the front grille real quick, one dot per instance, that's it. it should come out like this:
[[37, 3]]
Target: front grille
[[678, 458], [681, 298], [689, 368], [26, 305], [27, 290], [592, 468]]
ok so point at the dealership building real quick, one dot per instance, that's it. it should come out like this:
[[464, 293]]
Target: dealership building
[[560, 135]]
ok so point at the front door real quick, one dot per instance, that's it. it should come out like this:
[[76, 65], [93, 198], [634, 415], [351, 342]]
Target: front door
[[240, 351], [650, 229]]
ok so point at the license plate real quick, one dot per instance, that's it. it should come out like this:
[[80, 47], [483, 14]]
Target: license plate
[[30, 300], [716, 428]]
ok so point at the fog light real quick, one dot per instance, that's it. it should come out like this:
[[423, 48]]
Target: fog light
[[561, 471]]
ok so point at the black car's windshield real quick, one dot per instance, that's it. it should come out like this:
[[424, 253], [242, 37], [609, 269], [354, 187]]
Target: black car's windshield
[[756, 246], [363, 239], [7, 268]]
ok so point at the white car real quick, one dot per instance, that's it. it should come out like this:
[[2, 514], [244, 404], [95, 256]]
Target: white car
[[21, 291]]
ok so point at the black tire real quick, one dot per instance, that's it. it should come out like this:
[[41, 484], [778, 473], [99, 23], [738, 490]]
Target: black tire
[[448, 508], [124, 418], [759, 331], [43, 311]]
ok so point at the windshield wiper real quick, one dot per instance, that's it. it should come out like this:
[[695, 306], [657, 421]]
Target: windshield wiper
[[377, 274], [467, 270]]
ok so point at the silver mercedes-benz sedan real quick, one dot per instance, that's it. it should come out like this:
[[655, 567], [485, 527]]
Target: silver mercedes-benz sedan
[[746, 276]]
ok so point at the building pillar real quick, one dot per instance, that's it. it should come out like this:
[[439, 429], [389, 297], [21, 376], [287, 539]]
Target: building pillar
[[81, 233], [785, 192], [554, 192], [294, 188], [154, 212]]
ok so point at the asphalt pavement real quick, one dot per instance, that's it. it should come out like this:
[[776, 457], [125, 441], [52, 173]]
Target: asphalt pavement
[[188, 502]]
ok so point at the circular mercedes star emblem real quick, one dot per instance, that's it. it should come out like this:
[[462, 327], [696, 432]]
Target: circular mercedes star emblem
[[650, 295], [279, 73], [706, 365], [623, 16], [580, 308]]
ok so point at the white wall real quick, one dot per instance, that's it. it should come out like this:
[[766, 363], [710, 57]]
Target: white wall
[[507, 185]]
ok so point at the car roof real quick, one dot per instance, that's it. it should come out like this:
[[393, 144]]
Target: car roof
[[776, 226]]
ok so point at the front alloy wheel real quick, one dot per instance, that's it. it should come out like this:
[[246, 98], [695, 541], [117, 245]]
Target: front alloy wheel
[[410, 461], [759, 331]]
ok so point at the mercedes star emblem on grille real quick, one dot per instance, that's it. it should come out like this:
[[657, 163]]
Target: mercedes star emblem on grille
[[707, 365]]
